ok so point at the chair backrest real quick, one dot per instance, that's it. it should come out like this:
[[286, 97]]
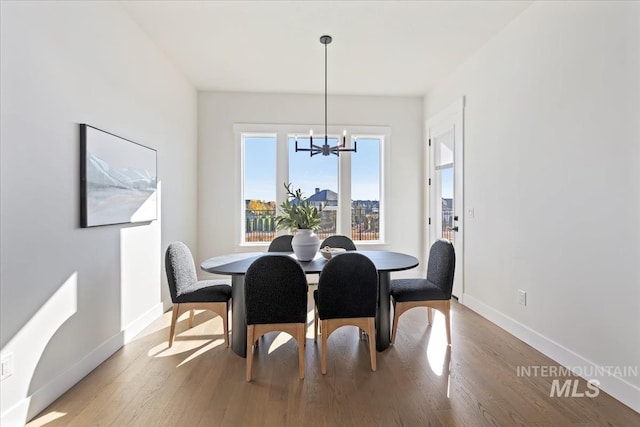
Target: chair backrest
[[281, 244], [442, 265], [275, 289], [339, 241], [181, 271], [348, 287]]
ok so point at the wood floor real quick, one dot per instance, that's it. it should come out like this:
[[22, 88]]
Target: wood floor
[[419, 381]]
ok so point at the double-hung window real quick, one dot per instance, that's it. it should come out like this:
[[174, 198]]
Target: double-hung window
[[349, 188]]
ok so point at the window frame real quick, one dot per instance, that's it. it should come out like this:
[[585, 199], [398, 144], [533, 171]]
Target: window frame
[[282, 134]]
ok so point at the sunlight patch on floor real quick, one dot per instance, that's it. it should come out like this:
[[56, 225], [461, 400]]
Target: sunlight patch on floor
[[202, 337], [437, 348], [183, 346], [281, 339], [46, 418], [213, 344]]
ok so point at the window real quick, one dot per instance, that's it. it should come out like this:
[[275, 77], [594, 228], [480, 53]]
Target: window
[[348, 188], [259, 187], [317, 177], [365, 190]]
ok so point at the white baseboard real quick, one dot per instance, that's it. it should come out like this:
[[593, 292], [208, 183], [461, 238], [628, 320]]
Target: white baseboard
[[616, 386], [135, 327], [29, 407]]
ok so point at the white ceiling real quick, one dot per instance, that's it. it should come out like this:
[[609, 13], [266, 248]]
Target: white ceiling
[[379, 47]]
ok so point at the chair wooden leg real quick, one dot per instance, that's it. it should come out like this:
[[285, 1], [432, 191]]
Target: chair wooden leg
[[447, 320], [254, 332], [331, 325], [372, 343], [325, 333], [174, 320], [302, 339], [443, 306], [220, 308], [250, 342]]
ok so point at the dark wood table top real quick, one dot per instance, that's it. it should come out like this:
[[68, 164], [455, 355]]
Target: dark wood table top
[[238, 263]]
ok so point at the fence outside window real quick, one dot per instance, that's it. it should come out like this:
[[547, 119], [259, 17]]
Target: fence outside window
[[260, 224]]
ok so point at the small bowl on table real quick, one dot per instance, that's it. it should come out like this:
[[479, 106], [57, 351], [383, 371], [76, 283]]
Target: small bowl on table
[[328, 252]]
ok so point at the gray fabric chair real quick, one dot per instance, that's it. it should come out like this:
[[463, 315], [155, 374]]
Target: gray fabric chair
[[276, 300], [433, 292], [347, 294], [189, 294], [339, 241], [281, 244]]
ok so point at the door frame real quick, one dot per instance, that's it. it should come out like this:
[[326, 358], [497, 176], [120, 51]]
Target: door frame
[[450, 117]]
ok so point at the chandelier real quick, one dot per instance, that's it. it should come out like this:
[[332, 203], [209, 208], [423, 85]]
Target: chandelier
[[325, 149]]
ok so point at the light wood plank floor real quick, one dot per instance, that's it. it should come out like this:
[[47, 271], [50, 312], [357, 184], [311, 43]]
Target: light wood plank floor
[[419, 382]]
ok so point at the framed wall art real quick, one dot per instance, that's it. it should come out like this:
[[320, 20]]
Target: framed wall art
[[118, 179]]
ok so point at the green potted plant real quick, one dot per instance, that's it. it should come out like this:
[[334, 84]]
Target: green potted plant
[[299, 215]]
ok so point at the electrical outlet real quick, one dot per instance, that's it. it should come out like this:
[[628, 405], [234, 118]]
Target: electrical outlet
[[522, 297], [471, 212], [6, 366]]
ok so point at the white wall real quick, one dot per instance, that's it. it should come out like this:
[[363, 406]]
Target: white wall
[[72, 296], [219, 167], [552, 171]]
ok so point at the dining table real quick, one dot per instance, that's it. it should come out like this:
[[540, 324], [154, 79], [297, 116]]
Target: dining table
[[236, 265]]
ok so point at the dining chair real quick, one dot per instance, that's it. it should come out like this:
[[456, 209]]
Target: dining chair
[[281, 244], [347, 294], [189, 294], [433, 292], [336, 241], [275, 300], [339, 241]]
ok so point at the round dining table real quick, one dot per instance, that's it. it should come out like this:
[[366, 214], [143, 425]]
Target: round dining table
[[236, 265]]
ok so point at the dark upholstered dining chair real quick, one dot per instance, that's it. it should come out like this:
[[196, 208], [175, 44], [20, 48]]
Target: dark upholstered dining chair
[[276, 300], [347, 294], [189, 294], [281, 244], [434, 292], [336, 241], [339, 241]]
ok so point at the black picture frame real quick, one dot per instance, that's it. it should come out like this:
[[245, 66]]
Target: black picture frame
[[118, 179]]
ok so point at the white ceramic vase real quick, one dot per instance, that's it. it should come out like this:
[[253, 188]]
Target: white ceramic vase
[[305, 244]]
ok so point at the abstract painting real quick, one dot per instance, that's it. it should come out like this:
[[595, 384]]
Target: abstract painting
[[118, 179]]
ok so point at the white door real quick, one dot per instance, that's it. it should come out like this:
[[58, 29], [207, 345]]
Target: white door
[[445, 183]]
